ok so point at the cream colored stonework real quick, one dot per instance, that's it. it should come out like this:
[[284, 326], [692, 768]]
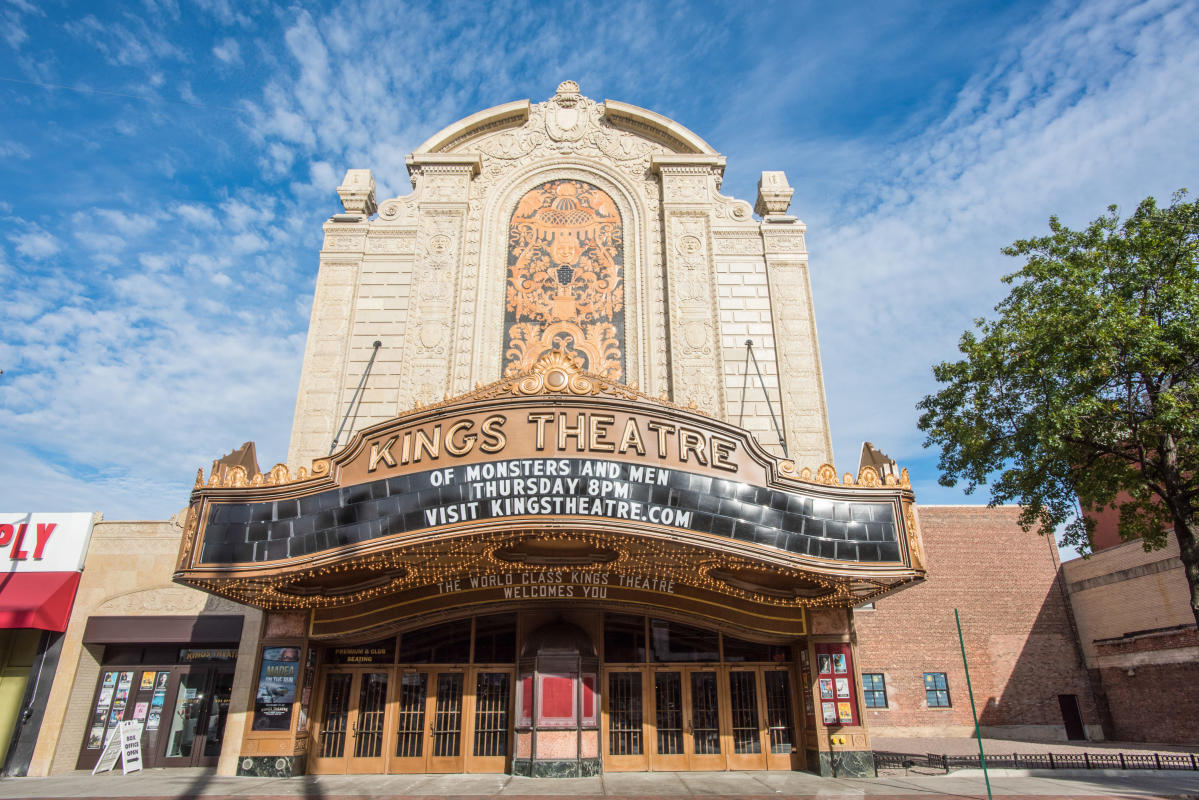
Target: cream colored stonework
[[425, 275], [128, 573]]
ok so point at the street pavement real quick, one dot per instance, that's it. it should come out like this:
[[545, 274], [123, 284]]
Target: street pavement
[[1009, 784]]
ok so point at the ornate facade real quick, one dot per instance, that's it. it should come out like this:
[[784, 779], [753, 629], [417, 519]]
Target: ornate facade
[[527, 408]]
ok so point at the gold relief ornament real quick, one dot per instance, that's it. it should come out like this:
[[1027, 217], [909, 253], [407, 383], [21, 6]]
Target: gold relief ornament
[[909, 517], [565, 283]]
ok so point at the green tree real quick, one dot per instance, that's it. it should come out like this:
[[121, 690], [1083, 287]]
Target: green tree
[[1086, 385]]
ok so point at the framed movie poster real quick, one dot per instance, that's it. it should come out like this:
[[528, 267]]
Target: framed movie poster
[[826, 688], [830, 713], [837, 659], [276, 688]]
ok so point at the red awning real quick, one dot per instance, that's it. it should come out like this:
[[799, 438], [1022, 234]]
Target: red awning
[[37, 599]]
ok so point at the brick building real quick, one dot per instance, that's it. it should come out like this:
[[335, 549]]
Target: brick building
[[1139, 638], [1025, 664]]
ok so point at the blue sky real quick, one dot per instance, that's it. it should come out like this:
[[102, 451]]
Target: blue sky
[[165, 168]]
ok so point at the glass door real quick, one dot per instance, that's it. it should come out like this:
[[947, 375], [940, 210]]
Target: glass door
[[490, 711], [214, 712], [429, 722], [687, 720], [782, 746], [746, 751], [368, 716], [670, 734], [706, 748], [187, 712], [624, 741], [352, 722]]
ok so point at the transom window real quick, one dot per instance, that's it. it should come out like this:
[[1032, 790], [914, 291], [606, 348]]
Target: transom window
[[874, 689], [636, 639], [936, 690]]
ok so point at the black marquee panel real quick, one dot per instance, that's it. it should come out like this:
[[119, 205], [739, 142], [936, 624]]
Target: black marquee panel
[[248, 533]]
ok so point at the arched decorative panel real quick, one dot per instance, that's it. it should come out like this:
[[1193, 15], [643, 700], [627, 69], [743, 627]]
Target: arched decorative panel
[[565, 286]]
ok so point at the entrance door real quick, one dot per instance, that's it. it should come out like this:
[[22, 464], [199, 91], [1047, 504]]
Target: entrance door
[[782, 750], [687, 720], [196, 725], [747, 750], [351, 732], [429, 714], [490, 709], [1071, 716], [624, 741]]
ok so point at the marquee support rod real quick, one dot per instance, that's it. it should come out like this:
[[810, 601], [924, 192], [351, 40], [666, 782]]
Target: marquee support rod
[[749, 353], [357, 394]]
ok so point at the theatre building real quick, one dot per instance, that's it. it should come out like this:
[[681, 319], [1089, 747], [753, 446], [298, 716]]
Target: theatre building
[[544, 510], [558, 497]]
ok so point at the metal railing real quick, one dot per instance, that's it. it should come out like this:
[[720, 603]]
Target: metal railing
[[1107, 760]]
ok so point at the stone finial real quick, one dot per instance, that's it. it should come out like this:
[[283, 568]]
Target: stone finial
[[774, 194], [357, 192]]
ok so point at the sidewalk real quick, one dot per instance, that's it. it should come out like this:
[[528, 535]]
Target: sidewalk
[[204, 783]]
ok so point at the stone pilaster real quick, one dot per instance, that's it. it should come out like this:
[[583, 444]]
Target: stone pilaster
[[439, 299], [689, 184], [805, 412]]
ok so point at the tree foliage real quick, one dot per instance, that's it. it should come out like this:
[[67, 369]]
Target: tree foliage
[[1086, 384]]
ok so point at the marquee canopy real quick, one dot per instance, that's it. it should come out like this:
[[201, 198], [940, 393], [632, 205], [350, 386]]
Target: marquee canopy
[[554, 485]]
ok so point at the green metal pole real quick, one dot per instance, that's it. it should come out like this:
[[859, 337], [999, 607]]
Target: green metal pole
[[969, 690]]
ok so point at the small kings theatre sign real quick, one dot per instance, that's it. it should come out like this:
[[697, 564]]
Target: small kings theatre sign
[[555, 485]]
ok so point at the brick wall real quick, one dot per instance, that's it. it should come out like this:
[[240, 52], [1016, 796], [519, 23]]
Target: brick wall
[[1154, 702], [1018, 634]]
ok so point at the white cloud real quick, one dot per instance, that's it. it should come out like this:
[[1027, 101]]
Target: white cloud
[[200, 216], [228, 51], [14, 150], [133, 42], [35, 243]]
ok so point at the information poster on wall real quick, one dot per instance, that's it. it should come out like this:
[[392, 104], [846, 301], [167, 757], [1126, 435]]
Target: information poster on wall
[[108, 687], [276, 688]]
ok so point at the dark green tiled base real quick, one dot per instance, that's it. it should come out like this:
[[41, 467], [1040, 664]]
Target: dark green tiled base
[[270, 766], [572, 768], [842, 764]]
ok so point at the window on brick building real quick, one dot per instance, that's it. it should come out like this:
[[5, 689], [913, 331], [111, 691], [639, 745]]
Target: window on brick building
[[936, 690], [874, 689]]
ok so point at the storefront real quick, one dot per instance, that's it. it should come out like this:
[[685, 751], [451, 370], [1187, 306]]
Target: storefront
[[42, 555], [173, 675], [552, 575]]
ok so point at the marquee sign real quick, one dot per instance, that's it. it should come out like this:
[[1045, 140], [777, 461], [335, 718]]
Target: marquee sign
[[554, 467]]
